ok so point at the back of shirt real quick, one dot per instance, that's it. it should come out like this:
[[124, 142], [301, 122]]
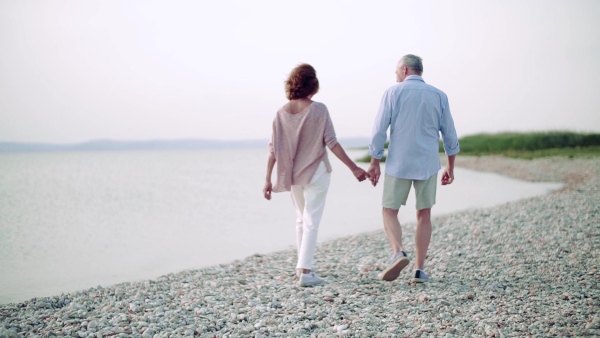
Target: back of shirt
[[298, 144], [416, 113]]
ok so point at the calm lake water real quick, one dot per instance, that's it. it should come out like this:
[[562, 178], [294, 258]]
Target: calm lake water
[[74, 220]]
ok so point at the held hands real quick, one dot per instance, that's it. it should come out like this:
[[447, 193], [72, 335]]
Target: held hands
[[267, 190], [358, 172]]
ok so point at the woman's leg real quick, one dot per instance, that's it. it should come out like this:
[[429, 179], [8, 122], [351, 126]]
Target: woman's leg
[[315, 194], [297, 193]]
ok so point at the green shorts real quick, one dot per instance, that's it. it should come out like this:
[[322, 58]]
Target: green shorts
[[395, 192]]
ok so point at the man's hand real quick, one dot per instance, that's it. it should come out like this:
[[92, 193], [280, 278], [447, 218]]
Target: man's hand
[[360, 174], [267, 190], [374, 171], [448, 176]]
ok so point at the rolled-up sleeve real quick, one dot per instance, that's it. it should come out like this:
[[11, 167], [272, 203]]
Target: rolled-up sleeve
[[380, 127], [329, 134], [449, 137]]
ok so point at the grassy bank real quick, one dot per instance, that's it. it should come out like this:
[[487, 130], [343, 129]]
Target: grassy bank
[[527, 145]]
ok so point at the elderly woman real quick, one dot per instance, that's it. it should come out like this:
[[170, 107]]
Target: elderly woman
[[301, 130]]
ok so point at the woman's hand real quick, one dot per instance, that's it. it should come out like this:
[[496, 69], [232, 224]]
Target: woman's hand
[[360, 174], [267, 190]]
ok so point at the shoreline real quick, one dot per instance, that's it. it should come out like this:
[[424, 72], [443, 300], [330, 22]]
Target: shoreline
[[528, 267]]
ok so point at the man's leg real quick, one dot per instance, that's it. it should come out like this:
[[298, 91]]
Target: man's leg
[[395, 192], [392, 228], [425, 195], [394, 234], [422, 236]]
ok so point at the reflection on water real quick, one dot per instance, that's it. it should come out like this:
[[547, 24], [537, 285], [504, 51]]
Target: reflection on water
[[70, 221]]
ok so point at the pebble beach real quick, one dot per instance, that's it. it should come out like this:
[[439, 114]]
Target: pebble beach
[[529, 268]]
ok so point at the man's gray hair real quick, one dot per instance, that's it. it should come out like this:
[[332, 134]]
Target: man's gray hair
[[413, 62]]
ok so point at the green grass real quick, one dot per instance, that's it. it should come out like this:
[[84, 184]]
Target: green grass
[[528, 145], [490, 143]]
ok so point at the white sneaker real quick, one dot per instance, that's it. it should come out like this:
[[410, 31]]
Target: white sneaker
[[311, 279], [397, 263], [420, 277]]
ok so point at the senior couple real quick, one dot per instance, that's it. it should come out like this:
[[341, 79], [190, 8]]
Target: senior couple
[[415, 112]]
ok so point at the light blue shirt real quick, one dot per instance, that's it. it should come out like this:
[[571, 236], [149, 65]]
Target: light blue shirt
[[416, 113]]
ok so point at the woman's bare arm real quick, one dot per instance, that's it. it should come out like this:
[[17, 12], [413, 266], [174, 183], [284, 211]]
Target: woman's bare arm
[[268, 188], [357, 171]]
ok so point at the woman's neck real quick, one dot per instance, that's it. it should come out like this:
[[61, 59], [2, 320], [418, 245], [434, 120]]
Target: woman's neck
[[298, 105]]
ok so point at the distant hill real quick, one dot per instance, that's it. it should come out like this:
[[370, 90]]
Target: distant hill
[[112, 145], [187, 144]]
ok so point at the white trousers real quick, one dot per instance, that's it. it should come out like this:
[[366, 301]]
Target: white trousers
[[309, 202]]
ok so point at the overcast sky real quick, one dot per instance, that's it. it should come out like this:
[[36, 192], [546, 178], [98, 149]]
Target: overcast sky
[[72, 71]]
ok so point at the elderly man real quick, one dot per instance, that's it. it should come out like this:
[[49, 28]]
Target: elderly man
[[416, 113]]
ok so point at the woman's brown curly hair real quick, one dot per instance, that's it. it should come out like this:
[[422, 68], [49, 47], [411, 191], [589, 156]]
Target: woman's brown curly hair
[[302, 82]]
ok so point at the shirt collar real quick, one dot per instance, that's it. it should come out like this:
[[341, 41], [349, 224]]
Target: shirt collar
[[414, 77]]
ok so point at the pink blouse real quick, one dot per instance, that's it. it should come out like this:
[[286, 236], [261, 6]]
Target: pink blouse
[[298, 144]]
